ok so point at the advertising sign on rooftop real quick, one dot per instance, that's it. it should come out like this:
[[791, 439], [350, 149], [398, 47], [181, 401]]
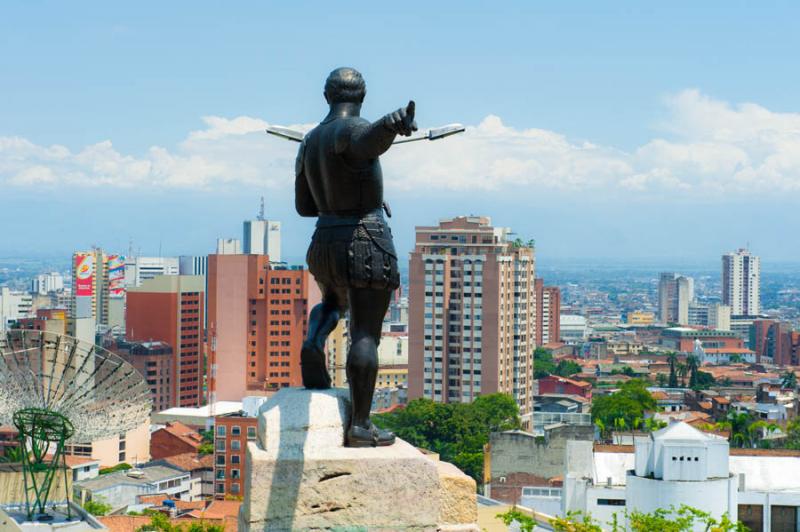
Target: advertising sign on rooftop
[[84, 274], [116, 276]]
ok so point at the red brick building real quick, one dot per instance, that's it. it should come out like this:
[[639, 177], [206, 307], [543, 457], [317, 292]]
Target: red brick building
[[257, 319], [154, 361], [681, 339], [776, 340], [548, 313], [564, 386], [176, 438], [231, 434], [169, 308]]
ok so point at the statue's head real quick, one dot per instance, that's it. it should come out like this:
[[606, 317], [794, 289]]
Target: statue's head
[[345, 84]]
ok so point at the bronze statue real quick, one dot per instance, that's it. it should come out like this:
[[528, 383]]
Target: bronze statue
[[352, 256]]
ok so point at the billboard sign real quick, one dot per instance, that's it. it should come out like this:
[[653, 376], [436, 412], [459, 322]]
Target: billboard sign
[[84, 274], [116, 276]]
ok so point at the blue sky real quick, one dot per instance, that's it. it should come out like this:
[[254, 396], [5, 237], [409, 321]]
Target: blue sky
[[605, 129]]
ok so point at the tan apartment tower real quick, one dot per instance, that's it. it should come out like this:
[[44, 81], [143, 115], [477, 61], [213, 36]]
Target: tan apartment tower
[[471, 313]]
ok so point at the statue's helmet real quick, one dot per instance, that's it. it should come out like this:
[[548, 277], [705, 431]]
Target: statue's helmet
[[345, 84]]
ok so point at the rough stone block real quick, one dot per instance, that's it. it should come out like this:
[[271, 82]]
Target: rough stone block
[[301, 477]]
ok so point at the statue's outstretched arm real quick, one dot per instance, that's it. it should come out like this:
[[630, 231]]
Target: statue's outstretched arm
[[372, 140]]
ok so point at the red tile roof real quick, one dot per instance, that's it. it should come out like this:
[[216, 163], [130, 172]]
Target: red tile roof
[[184, 433], [191, 461]]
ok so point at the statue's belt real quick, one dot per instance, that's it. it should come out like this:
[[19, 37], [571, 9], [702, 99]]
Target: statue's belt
[[371, 222], [374, 217]]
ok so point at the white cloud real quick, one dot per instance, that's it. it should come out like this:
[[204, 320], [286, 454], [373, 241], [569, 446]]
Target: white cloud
[[712, 147]]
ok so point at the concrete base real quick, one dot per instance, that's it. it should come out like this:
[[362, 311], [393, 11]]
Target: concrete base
[[301, 477]]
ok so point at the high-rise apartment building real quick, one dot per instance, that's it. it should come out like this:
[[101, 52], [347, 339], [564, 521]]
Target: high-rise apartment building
[[675, 294], [548, 313], [169, 309], [741, 283], [257, 318], [471, 313], [262, 237]]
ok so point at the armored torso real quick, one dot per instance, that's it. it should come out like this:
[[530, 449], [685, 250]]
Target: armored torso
[[340, 185]]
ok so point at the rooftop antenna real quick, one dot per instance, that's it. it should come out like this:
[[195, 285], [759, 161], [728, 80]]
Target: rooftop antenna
[[261, 210]]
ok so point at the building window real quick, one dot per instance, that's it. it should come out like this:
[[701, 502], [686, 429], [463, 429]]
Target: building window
[[234, 459], [236, 445], [220, 488], [235, 488], [220, 459], [251, 433], [236, 430], [611, 502], [235, 474], [221, 431]]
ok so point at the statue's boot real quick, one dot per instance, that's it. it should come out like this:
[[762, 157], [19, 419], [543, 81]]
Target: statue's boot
[[371, 437], [313, 367]]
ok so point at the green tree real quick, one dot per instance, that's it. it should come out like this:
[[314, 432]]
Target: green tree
[[661, 379], [160, 522], [122, 466], [457, 431], [97, 506], [682, 370], [703, 380], [789, 380], [205, 448], [565, 368], [793, 434], [672, 358], [692, 366], [631, 401], [683, 519], [543, 364], [12, 455]]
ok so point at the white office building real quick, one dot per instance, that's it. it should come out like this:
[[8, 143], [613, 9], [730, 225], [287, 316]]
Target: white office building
[[574, 328], [262, 237], [229, 246], [13, 306], [45, 283], [741, 283], [714, 316], [140, 269]]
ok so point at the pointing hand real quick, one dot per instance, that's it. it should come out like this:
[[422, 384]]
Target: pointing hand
[[402, 121]]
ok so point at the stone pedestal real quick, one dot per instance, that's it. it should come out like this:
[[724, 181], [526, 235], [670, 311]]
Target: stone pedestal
[[301, 477]]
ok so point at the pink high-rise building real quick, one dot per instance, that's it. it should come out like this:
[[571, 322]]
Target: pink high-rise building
[[257, 319], [471, 313]]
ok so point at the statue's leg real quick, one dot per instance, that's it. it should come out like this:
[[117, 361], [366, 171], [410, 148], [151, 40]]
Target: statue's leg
[[367, 310], [322, 321]]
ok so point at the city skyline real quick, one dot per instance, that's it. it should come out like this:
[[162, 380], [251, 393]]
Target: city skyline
[[604, 132]]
